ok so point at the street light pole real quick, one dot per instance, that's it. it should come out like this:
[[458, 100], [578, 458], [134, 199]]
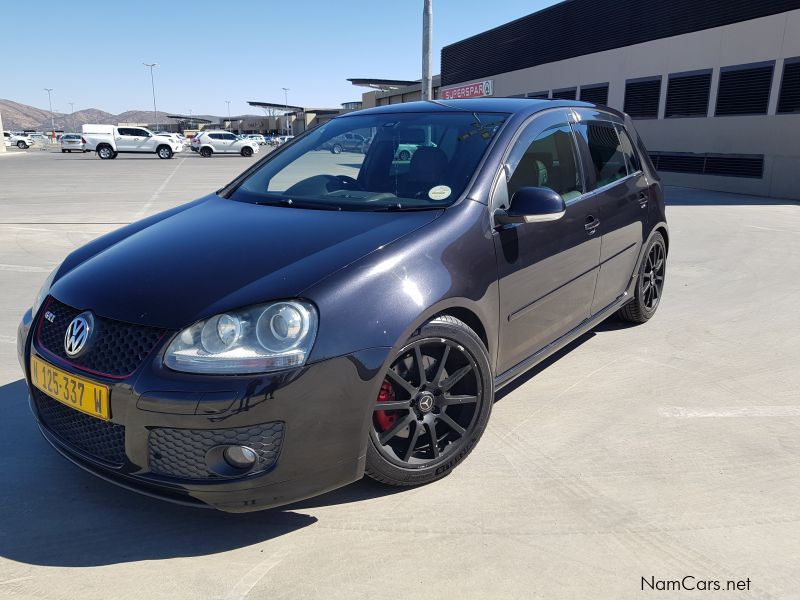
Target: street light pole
[[230, 125], [153, 85], [52, 118], [427, 39], [72, 115], [286, 107]]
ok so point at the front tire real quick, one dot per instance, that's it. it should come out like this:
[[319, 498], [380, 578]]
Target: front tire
[[404, 155], [247, 151], [433, 405], [336, 148], [22, 145], [164, 152], [649, 283]]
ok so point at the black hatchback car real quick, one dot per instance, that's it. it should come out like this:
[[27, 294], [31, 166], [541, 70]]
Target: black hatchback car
[[327, 315]]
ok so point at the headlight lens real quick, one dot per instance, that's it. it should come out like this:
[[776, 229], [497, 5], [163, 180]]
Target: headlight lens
[[258, 339], [43, 291]]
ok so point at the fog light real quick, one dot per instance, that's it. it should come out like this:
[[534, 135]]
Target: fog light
[[240, 457]]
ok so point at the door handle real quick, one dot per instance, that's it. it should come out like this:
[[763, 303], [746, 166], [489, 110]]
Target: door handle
[[643, 198], [592, 223]]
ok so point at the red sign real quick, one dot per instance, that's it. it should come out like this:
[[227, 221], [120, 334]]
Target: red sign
[[470, 90]]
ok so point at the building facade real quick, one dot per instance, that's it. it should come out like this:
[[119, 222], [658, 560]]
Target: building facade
[[713, 86]]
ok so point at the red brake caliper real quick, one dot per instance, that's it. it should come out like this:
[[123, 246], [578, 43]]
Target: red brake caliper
[[385, 419]]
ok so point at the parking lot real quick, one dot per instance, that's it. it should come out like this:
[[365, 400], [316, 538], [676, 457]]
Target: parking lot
[[662, 450]]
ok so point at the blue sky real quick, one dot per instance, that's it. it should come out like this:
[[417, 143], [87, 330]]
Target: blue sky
[[212, 51]]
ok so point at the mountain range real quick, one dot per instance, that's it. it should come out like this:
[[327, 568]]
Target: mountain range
[[17, 116]]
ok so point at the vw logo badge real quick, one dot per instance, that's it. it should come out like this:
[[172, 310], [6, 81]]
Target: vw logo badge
[[78, 333]]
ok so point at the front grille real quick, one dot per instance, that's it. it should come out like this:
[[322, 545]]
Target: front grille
[[182, 452], [102, 439], [117, 348]]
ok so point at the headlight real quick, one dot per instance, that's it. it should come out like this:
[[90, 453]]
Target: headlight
[[43, 291], [259, 339]]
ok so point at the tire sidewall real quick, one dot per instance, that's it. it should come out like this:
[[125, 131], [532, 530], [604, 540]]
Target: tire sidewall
[[647, 313], [456, 331]]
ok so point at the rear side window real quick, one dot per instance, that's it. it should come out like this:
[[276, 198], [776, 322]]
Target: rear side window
[[605, 149], [549, 161], [631, 158], [215, 136]]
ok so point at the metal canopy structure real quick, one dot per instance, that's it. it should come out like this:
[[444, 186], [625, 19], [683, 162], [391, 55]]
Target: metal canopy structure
[[279, 106], [190, 119], [384, 85]]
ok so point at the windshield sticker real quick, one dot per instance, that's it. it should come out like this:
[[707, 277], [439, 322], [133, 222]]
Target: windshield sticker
[[439, 192]]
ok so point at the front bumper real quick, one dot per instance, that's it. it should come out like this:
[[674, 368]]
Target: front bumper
[[324, 409]]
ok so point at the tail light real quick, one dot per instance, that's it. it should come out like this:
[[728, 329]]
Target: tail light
[[83, 141]]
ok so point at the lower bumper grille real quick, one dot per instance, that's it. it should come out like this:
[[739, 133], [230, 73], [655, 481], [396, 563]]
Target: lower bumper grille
[[102, 439], [182, 452]]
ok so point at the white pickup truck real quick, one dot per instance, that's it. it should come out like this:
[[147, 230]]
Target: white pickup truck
[[110, 140]]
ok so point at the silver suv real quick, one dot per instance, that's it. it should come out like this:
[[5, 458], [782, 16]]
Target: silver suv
[[222, 142]]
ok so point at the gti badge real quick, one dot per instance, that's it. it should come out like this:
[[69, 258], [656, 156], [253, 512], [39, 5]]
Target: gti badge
[[78, 333]]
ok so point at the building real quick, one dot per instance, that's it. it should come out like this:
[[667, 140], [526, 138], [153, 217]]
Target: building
[[285, 119], [713, 85], [393, 91]]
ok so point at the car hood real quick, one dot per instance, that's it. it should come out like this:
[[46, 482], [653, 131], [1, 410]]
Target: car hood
[[221, 254]]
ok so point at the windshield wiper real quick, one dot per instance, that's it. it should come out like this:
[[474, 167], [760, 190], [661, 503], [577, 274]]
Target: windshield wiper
[[293, 203]]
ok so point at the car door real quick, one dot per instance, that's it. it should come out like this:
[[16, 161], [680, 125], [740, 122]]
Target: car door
[[126, 139], [621, 190], [546, 270], [232, 143]]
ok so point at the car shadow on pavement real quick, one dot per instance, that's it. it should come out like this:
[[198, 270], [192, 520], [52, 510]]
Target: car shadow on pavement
[[53, 513]]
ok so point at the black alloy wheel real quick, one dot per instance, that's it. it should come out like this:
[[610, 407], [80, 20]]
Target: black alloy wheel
[[650, 283], [433, 405]]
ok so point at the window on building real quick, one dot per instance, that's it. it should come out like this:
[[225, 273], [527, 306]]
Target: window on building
[[789, 99], [744, 89], [565, 94], [605, 149], [750, 166], [597, 93], [548, 161], [687, 94], [641, 97], [539, 95]]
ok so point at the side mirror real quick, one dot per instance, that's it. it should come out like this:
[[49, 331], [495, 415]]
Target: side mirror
[[532, 205]]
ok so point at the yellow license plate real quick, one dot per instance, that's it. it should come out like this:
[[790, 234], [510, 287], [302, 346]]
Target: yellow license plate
[[77, 392]]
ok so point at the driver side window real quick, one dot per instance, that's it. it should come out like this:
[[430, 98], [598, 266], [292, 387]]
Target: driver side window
[[550, 161]]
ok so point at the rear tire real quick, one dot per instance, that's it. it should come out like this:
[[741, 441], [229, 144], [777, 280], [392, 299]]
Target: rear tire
[[105, 152], [206, 152], [649, 283], [404, 155], [441, 409], [164, 152], [336, 148], [63, 151], [247, 151]]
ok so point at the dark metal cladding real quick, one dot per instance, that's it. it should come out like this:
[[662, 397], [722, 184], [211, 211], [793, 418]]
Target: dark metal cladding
[[579, 27]]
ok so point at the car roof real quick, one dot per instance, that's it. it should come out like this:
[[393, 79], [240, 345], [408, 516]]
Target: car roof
[[500, 105]]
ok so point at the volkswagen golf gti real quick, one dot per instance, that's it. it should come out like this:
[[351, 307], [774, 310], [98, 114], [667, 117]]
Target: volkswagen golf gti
[[329, 315]]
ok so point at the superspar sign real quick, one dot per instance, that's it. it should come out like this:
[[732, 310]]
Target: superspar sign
[[470, 90]]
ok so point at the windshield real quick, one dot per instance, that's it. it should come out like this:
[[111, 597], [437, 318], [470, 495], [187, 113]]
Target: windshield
[[377, 162]]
